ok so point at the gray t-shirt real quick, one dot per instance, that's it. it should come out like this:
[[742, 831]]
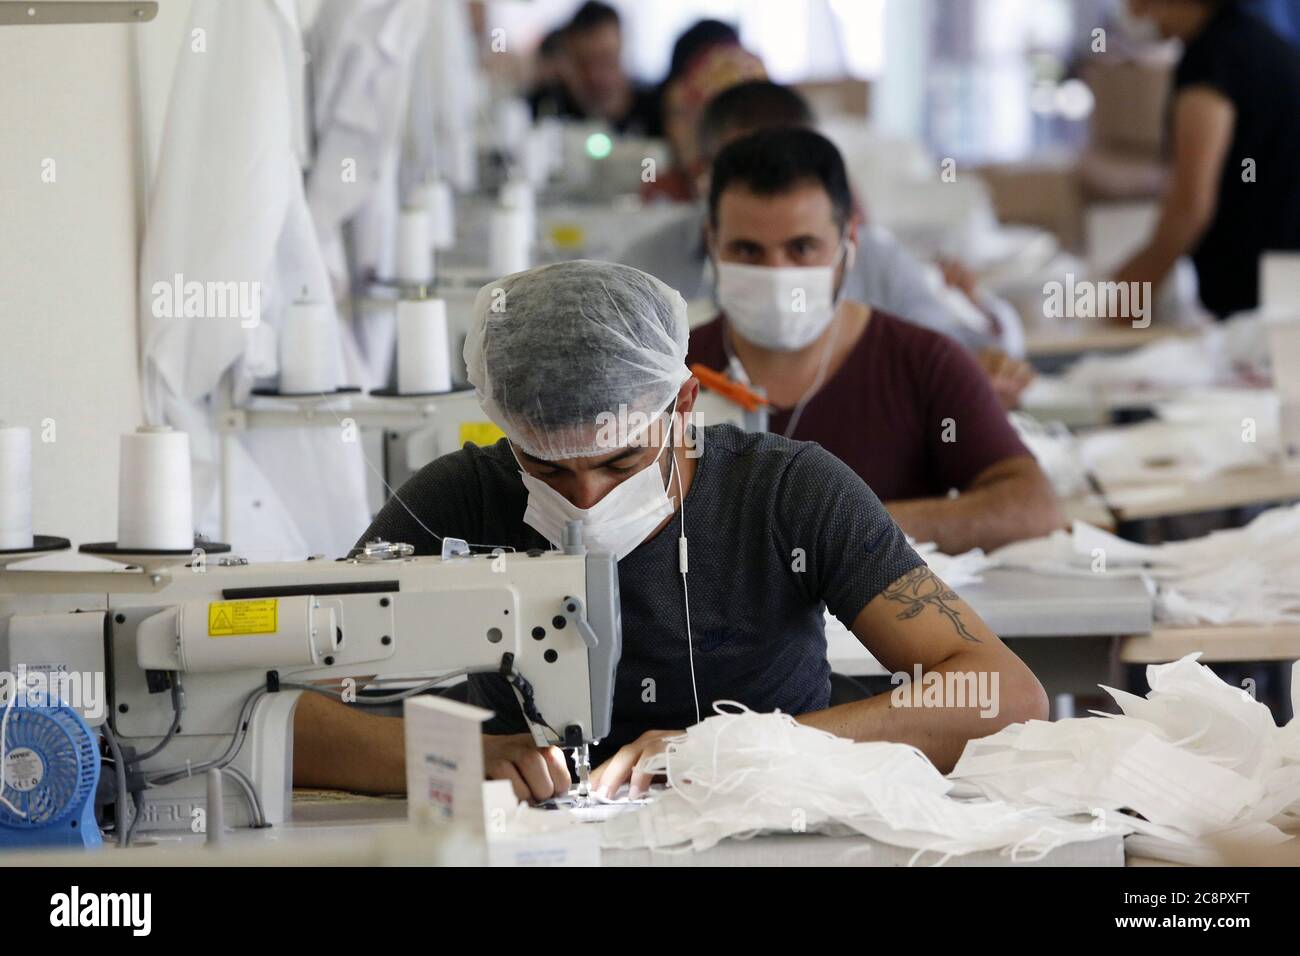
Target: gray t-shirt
[[778, 530]]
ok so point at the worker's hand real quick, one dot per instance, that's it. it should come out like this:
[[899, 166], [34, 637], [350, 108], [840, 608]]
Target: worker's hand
[[1008, 376], [959, 276], [621, 768], [537, 773]]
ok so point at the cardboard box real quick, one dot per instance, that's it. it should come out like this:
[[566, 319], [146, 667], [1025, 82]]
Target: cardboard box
[[1132, 101], [1045, 193], [846, 97]]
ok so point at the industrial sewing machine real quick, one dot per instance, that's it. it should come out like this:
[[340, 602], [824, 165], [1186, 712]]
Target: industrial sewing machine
[[224, 641]]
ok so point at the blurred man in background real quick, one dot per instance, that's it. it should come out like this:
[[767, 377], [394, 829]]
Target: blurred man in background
[[547, 95], [593, 84], [884, 274], [906, 408], [707, 60], [1235, 136]]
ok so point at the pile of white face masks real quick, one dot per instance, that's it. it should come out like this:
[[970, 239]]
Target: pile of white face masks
[[741, 773], [1200, 760], [1057, 452], [1223, 354], [1189, 449], [1247, 575]]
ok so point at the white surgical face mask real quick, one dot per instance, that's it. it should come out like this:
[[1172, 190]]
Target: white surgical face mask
[[779, 307], [617, 523]]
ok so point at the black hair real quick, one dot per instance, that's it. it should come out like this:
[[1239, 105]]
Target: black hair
[[749, 106], [590, 15], [550, 45], [696, 39], [774, 161]]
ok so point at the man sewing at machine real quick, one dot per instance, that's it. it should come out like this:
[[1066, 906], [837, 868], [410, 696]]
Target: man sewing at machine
[[778, 530]]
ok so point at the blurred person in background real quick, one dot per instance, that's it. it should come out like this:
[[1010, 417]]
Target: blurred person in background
[[906, 408], [592, 82], [1235, 138], [707, 59], [547, 95], [884, 274]]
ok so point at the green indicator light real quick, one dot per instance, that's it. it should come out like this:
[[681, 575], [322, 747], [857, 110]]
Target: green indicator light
[[599, 145]]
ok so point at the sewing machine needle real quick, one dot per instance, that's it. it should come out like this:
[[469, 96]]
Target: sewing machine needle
[[582, 758]]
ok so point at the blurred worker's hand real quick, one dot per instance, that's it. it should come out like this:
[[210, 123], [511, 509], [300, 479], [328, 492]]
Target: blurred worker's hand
[[1008, 376], [537, 773], [621, 768], [958, 276]]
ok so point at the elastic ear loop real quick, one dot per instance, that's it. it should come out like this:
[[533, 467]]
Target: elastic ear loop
[[822, 367], [682, 564]]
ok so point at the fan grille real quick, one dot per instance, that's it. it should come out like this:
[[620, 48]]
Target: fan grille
[[66, 753]]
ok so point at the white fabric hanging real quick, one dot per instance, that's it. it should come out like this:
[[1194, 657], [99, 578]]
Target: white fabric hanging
[[446, 91], [362, 54], [228, 207]]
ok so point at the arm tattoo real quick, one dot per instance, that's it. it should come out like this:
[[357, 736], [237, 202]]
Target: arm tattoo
[[920, 588]]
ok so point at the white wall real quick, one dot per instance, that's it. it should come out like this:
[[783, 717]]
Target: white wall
[[68, 263]]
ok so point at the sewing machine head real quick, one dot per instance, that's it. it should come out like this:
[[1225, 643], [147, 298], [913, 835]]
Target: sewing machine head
[[233, 636]]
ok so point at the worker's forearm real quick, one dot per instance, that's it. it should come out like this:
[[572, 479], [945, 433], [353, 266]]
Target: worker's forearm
[[927, 717], [1176, 234], [982, 517], [339, 748]]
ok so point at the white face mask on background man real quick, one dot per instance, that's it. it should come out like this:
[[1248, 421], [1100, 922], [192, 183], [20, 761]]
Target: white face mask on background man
[[781, 307], [620, 521]]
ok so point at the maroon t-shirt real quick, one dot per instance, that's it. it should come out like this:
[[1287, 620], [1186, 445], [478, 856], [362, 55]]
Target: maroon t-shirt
[[909, 410]]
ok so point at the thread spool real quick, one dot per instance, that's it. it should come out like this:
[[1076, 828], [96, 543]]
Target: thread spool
[[510, 241], [309, 349], [423, 354], [462, 160], [155, 510], [15, 487], [414, 247], [511, 120], [440, 201], [518, 194], [537, 160]]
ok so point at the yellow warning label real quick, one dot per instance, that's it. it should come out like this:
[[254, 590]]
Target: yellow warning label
[[238, 618], [480, 433]]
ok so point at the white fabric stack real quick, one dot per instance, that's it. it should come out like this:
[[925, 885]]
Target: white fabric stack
[[1193, 445], [1247, 575], [956, 570], [1222, 354], [740, 773], [1056, 450], [1199, 760]]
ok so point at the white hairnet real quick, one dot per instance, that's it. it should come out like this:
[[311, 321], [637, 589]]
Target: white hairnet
[[554, 352]]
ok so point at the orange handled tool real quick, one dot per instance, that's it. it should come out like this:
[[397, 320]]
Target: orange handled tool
[[729, 388]]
